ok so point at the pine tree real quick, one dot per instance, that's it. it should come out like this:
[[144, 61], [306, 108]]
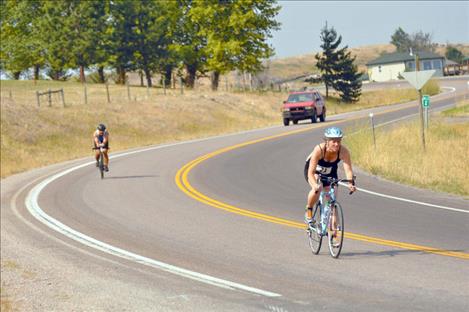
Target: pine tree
[[454, 54], [401, 40], [337, 67], [327, 60], [348, 82]]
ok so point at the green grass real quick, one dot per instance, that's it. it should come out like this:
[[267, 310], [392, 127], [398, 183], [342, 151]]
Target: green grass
[[458, 111]]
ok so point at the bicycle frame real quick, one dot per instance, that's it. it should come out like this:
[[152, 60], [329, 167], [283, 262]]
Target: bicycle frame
[[100, 161], [330, 225], [332, 199]]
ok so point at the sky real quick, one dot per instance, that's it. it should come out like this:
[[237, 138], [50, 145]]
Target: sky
[[363, 23]]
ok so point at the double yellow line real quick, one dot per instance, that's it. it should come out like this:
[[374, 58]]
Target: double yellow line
[[183, 183]]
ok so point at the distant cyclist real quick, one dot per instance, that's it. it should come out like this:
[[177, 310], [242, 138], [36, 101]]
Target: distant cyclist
[[324, 159], [101, 139]]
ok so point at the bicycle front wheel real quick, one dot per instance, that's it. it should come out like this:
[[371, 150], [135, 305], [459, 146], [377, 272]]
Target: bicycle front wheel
[[101, 165], [314, 237], [336, 230]]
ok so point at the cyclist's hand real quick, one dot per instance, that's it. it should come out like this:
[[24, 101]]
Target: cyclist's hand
[[351, 188]]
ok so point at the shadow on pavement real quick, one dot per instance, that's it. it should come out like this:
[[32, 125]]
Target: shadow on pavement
[[131, 177], [389, 253]]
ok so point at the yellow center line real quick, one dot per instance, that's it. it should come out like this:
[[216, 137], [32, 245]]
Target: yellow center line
[[183, 183]]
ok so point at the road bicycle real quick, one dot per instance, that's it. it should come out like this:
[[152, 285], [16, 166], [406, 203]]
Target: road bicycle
[[100, 161], [328, 220]]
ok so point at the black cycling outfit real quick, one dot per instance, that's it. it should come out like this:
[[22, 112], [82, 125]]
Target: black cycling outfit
[[325, 168], [101, 139]]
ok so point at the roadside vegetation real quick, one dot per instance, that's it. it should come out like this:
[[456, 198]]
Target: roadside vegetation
[[399, 155], [461, 110], [33, 136]]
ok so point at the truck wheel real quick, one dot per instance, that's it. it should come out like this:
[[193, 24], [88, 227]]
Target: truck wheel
[[314, 118], [322, 117], [286, 122]]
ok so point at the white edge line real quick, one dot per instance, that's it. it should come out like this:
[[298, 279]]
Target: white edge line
[[409, 200], [35, 210]]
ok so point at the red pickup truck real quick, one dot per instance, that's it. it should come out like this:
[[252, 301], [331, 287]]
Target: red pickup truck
[[303, 105]]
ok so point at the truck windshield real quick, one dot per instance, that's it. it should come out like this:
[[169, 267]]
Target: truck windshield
[[306, 97]]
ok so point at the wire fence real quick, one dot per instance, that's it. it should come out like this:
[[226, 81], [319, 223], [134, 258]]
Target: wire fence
[[61, 94]]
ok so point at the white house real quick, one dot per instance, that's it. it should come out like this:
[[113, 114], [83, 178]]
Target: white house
[[390, 66]]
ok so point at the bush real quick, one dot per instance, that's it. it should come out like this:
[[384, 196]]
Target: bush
[[432, 87]]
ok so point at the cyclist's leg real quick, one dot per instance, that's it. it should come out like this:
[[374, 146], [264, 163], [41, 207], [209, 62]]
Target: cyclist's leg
[[334, 215], [313, 197], [106, 157], [96, 155]]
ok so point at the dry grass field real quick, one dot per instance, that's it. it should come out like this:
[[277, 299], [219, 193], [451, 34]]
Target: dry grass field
[[399, 155], [33, 136]]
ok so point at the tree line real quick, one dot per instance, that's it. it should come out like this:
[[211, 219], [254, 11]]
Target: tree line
[[193, 38], [420, 41]]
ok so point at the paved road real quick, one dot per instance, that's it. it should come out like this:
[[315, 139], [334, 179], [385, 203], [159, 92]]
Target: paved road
[[236, 243]]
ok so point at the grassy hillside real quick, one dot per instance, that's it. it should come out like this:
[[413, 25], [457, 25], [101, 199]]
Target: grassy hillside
[[303, 64], [33, 136]]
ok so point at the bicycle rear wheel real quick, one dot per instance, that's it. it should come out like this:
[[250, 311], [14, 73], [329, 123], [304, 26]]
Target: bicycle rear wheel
[[101, 164], [315, 239], [336, 230]]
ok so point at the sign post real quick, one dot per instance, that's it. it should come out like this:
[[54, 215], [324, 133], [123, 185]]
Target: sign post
[[418, 80], [426, 105]]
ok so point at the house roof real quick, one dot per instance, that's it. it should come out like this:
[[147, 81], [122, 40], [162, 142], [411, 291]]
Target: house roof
[[450, 62], [398, 57]]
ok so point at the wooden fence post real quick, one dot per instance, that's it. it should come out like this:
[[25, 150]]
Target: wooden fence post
[[128, 90], [164, 85], [38, 99], [63, 97], [49, 94], [107, 92], [182, 87], [86, 93]]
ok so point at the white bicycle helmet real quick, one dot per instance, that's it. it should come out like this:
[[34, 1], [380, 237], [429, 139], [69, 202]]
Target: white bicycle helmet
[[333, 133]]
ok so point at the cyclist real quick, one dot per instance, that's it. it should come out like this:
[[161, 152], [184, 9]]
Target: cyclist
[[101, 139], [324, 159]]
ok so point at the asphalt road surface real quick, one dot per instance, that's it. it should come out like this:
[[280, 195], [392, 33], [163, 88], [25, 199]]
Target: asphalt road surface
[[216, 225]]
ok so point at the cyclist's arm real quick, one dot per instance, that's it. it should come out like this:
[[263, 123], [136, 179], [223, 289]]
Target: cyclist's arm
[[313, 163], [347, 163], [95, 139], [105, 137]]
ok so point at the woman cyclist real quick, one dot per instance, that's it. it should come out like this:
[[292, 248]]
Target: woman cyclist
[[324, 159], [101, 139]]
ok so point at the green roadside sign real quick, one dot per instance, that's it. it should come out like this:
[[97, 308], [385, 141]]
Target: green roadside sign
[[426, 101]]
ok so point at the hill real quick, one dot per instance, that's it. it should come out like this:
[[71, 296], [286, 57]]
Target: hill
[[304, 64]]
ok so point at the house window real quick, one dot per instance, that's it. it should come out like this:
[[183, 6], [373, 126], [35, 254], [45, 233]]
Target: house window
[[411, 66], [427, 65], [437, 64]]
